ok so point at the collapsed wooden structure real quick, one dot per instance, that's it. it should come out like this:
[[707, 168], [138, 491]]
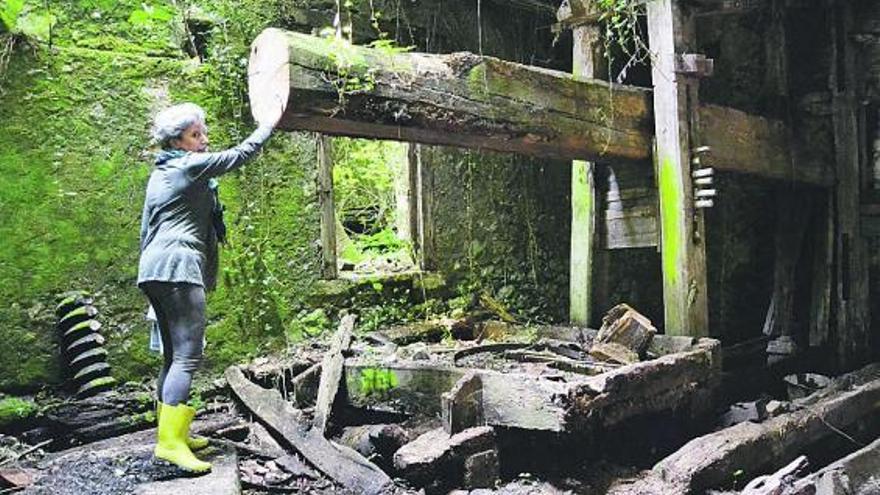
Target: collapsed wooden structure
[[487, 417], [562, 393], [466, 100]]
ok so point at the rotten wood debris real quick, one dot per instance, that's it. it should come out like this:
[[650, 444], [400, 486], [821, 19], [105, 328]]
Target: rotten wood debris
[[534, 393], [836, 418]]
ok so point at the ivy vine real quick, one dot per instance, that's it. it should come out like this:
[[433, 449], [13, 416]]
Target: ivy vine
[[623, 33]]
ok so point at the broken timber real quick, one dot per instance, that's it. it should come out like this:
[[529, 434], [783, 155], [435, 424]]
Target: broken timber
[[671, 382], [465, 100], [331, 372], [343, 465], [708, 461]]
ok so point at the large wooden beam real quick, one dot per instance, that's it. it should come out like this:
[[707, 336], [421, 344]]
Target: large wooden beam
[[755, 448], [459, 99], [682, 238], [466, 100]]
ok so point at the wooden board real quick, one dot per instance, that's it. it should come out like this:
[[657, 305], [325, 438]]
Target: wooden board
[[331, 372], [328, 210], [631, 207], [347, 468]]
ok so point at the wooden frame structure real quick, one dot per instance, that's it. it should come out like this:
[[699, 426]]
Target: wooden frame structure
[[489, 104]]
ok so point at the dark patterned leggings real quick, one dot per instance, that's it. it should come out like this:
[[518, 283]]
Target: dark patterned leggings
[[180, 312]]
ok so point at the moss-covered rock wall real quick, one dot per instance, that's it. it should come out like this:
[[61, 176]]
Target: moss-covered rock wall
[[74, 157]]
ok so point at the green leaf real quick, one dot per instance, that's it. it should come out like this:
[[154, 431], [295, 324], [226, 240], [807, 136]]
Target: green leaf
[[9, 13], [139, 17]]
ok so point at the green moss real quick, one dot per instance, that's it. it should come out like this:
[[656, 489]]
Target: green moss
[[671, 217], [377, 381], [14, 409]]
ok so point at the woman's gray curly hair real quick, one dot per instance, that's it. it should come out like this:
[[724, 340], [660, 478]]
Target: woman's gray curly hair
[[170, 123]]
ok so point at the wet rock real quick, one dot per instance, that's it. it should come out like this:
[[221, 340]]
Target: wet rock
[[462, 407], [435, 460], [375, 442], [755, 411], [16, 478], [775, 408], [481, 470], [801, 385]]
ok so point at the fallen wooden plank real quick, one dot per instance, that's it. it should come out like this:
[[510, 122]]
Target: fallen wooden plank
[[858, 472], [755, 448], [774, 483], [348, 469], [331, 372], [466, 100]]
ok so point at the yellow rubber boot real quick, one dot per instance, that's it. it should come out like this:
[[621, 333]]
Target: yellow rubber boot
[[171, 439], [195, 442]]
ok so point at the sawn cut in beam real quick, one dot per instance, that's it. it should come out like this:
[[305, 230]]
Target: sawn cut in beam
[[462, 99]]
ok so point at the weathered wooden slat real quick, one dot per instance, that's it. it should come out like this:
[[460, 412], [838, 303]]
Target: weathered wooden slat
[[328, 210], [851, 290], [331, 372], [793, 215], [631, 216], [822, 266], [427, 251], [465, 100], [344, 466]]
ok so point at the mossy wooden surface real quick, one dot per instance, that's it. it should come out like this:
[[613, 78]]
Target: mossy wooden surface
[[467, 100]]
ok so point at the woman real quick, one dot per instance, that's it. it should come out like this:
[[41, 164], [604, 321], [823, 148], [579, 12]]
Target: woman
[[178, 261]]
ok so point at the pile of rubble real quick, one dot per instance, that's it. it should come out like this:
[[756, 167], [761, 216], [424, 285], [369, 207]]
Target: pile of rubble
[[455, 414]]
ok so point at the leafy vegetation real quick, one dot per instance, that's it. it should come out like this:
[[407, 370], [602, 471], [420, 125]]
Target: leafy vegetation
[[14, 409], [622, 22], [364, 175]]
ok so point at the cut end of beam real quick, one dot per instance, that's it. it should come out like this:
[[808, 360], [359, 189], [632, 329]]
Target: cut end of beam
[[269, 75]]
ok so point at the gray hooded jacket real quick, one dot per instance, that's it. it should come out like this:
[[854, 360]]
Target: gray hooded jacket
[[178, 242]]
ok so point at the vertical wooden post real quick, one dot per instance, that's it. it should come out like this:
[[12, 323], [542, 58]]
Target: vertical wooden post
[[823, 265], [328, 210], [682, 244], [793, 203], [411, 212], [850, 293], [425, 186], [583, 193]]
